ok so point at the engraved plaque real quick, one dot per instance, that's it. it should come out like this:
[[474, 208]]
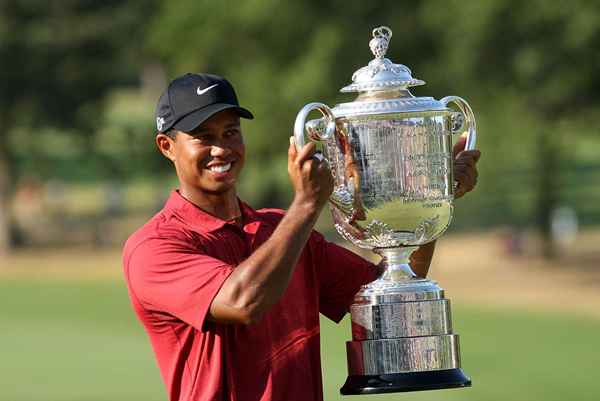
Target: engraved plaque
[[397, 171]]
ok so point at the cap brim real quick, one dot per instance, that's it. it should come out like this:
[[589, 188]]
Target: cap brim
[[197, 117]]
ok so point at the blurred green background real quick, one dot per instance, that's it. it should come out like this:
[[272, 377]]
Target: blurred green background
[[79, 172]]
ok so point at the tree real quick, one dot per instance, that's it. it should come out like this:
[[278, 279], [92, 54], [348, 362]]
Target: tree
[[544, 61], [526, 74], [59, 60]]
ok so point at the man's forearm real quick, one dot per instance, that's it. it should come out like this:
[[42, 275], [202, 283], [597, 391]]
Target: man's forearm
[[420, 260], [259, 281]]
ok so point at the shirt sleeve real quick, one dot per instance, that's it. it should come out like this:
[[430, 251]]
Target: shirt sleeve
[[168, 275], [341, 273]]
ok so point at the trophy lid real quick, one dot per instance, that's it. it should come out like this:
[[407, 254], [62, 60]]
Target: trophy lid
[[383, 85], [381, 73]]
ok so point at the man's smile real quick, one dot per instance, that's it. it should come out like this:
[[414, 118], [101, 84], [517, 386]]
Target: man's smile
[[220, 168]]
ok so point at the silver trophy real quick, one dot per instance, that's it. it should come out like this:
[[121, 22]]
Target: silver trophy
[[390, 154]]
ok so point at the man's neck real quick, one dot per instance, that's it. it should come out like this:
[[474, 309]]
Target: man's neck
[[224, 206]]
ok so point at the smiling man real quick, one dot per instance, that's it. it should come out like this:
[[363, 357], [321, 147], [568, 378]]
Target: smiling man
[[230, 296]]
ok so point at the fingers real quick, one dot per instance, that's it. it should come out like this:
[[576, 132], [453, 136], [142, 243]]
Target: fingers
[[466, 183], [466, 178], [315, 165], [459, 146], [304, 159], [296, 157], [467, 159], [459, 149], [465, 174], [468, 156], [465, 171], [473, 155], [292, 153], [305, 153]]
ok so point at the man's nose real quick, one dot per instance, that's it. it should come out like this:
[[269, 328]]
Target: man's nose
[[219, 150]]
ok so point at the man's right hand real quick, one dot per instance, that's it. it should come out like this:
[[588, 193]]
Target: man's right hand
[[311, 178]]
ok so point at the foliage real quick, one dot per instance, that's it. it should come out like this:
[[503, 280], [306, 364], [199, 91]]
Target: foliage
[[63, 57], [76, 105], [59, 61], [515, 67]]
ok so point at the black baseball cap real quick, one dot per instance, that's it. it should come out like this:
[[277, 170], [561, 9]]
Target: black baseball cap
[[191, 99]]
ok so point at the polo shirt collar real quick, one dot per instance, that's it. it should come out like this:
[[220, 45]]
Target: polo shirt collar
[[204, 222]]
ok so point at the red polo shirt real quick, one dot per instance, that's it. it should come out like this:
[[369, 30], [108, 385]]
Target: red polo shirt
[[174, 266]]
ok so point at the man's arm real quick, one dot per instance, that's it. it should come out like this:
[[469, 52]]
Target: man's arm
[[260, 280], [420, 260]]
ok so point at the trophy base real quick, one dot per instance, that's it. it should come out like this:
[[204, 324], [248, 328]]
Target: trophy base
[[402, 382]]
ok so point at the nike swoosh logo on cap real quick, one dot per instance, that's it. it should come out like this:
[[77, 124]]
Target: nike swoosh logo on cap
[[201, 92]]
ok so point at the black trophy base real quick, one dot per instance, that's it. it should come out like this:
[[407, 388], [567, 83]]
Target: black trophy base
[[400, 382]]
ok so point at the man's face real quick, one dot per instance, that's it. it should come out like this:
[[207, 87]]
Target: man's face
[[209, 159]]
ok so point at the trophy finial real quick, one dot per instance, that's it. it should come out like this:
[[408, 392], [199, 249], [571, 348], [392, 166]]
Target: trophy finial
[[381, 74], [380, 42]]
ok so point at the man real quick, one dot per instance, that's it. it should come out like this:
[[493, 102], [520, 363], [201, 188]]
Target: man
[[230, 296]]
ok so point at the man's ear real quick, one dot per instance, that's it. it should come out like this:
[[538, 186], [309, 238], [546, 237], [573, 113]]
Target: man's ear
[[166, 145]]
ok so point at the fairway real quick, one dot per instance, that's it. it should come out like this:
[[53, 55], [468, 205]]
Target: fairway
[[78, 340]]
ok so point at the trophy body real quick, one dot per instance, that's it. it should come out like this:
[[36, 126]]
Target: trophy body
[[390, 154]]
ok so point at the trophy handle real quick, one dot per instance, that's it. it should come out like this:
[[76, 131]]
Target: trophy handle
[[469, 120], [313, 133]]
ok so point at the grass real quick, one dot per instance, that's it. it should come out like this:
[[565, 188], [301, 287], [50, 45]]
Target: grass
[[71, 340], [78, 340]]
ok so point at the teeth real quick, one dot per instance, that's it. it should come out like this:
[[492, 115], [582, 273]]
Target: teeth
[[222, 168]]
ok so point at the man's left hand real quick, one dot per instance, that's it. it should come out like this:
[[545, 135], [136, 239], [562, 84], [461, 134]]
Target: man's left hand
[[465, 168]]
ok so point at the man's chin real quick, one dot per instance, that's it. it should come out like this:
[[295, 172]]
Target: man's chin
[[219, 189]]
